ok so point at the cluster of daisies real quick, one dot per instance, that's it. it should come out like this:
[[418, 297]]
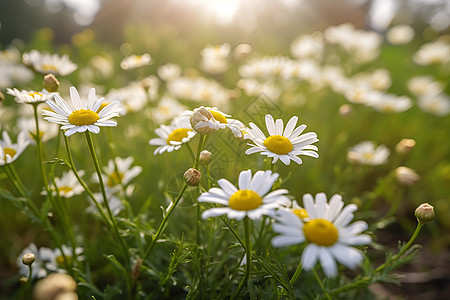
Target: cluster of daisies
[[284, 143], [323, 225]]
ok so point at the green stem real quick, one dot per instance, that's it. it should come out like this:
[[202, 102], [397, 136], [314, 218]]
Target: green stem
[[164, 221], [296, 274], [319, 281], [15, 179], [105, 198], [248, 248], [201, 141], [40, 155], [365, 280]]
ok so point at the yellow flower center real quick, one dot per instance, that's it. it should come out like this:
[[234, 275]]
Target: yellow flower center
[[321, 232], [219, 117], [102, 106], [35, 94], [301, 213], [49, 68], [115, 178], [368, 155], [278, 144], [245, 200], [65, 189], [9, 151], [178, 135], [60, 260], [83, 117]]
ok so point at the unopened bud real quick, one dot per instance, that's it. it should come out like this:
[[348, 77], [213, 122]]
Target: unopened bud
[[345, 110], [28, 259], [192, 177], [242, 51], [23, 280], [205, 157], [406, 175], [51, 83], [54, 286], [425, 213], [405, 146], [202, 121]]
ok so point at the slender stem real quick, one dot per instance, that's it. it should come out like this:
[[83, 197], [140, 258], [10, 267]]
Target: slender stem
[[16, 180], [105, 198], [164, 221], [404, 249], [40, 155], [319, 281], [201, 141], [81, 181], [248, 248], [296, 274], [365, 280], [30, 274]]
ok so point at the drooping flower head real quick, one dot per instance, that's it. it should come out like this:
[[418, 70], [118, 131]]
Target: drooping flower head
[[79, 116], [10, 151], [46, 63], [284, 145], [252, 199], [173, 136], [326, 231], [206, 120]]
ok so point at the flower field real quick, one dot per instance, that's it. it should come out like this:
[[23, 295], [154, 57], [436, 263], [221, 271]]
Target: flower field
[[168, 166]]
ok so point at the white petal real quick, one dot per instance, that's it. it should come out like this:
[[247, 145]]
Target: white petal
[[283, 241], [75, 98], [328, 263], [290, 126], [244, 179], [227, 186], [270, 125], [310, 256], [215, 212]]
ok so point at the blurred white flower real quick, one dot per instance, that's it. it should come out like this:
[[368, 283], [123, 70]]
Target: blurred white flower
[[132, 97], [47, 130], [46, 63], [438, 105], [400, 34], [308, 46], [166, 109], [389, 103], [135, 61], [424, 85], [10, 151], [214, 58], [365, 153], [169, 71], [30, 97], [68, 185], [437, 52]]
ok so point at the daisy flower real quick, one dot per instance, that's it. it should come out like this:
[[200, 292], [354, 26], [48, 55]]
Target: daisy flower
[[206, 120], [326, 231], [135, 61], [54, 260], [366, 153], [284, 145], [9, 151], [81, 115], [30, 97], [47, 130], [251, 199], [46, 63], [114, 202], [68, 185], [172, 136], [124, 173]]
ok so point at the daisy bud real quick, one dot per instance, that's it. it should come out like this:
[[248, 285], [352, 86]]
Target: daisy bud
[[205, 157], [425, 213], [199, 121], [51, 84], [242, 51], [55, 286], [345, 110], [192, 177], [23, 280], [406, 175], [28, 259], [405, 146]]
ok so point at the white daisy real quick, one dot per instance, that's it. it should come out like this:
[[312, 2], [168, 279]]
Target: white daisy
[[326, 230], [47, 130], [251, 199], [81, 115], [366, 153], [46, 63], [284, 145], [124, 173], [54, 260], [172, 136], [9, 151], [135, 61], [31, 97], [114, 202], [68, 185]]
